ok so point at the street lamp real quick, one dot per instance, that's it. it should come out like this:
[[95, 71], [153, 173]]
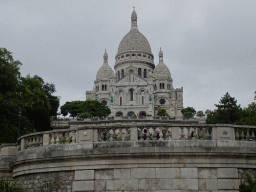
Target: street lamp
[[19, 114]]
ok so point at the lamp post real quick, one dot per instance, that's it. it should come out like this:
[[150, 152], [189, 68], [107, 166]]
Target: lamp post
[[19, 114]]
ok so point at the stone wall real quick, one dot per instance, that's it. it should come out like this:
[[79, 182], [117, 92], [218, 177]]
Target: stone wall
[[38, 181]]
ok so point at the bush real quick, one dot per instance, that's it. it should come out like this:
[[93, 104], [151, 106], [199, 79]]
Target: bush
[[249, 185], [9, 186]]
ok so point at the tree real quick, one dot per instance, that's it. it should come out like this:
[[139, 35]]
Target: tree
[[228, 111], [162, 112], [248, 115], [251, 184], [200, 114], [255, 95], [88, 108], [188, 112]]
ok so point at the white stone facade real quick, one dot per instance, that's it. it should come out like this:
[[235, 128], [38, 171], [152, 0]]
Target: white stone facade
[[137, 86]]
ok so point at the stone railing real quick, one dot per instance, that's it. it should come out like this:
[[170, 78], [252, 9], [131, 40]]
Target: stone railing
[[134, 132], [55, 137]]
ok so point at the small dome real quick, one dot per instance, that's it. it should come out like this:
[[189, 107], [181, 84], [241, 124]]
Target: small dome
[[105, 72], [161, 72]]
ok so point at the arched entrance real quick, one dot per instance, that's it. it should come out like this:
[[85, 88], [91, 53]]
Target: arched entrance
[[130, 113], [119, 114], [142, 113]]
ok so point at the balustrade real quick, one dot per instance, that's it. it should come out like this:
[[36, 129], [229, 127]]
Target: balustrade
[[144, 132]]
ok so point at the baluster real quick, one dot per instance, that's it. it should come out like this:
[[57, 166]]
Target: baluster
[[73, 137], [52, 140], [57, 140], [236, 134], [195, 133], [157, 133], [188, 132], [41, 140], [170, 133], [34, 141], [151, 133], [207, 134], [111, 132], [253, 134], [124, 134], [182, 134], [161, 135], [201, 132], [249, 136], [242, 134]]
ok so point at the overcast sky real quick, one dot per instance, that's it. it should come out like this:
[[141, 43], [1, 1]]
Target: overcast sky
[[209, 46]]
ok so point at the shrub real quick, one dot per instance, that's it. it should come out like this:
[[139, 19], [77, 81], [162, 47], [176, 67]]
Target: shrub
[[9, 186]]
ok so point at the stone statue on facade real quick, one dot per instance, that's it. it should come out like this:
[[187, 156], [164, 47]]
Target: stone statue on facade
[[150, 97], [111, 99]]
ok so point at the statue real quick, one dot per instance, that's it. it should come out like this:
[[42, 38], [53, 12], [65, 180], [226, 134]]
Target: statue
[[111, 99], [150, 97]]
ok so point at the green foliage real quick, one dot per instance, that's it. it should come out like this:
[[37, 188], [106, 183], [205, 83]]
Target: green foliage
[[188, 112], [9, 186], [250, 185], [248, 115], [162, 112], [84, 109], [228, 112], [30, 95], [200, 114]]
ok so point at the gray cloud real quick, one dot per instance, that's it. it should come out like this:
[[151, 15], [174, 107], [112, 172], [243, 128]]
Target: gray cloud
[[209, 46]]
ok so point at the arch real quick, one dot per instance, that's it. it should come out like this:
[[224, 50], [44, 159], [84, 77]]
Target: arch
[[122, 73], [105, 87], [130, 113], [131, 94], [119, 114], [145, 73], [118, 75], [142, 113], [139, 71]]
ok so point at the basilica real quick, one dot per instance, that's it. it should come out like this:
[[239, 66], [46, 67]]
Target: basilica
[[137, 87]]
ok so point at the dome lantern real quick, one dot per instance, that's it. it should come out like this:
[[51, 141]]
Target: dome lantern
[[105, 57], [161, 56], [134, 19]]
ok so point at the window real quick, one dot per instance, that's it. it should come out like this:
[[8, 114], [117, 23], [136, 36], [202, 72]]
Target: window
[[144, 56], [155, 87], [105, 87], [139, 55], [118, 58], [139, 71], [120, 100], [104, 102], [122, 56], [145, 73], [162, 101], [122, 73], [131, 94], [102, 87], [133, 54], [162, 85], [118, 75], [127, 55], [142, 100]]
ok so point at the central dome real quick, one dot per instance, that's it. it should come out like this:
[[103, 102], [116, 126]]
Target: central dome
[[134, 41]]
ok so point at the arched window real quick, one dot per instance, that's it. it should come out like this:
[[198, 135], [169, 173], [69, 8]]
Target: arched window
[[102, 87], [122, 73], [131, 94], [120, 100], [162, 85], [118, 75], [139, 71], [145, 73], [105, 87], [142, 100]]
